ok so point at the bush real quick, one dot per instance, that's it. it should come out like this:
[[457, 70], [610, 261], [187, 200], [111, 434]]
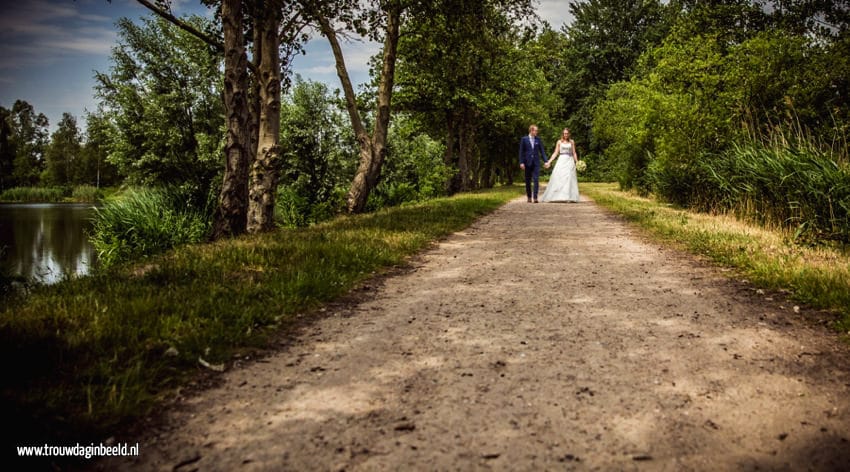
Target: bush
[[142, 222], [598, 169], [414, 169], [294, 210]]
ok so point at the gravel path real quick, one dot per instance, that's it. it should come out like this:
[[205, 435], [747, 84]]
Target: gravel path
[[544, 337]]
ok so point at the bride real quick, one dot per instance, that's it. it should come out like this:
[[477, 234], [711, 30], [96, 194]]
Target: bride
[[563, 184]]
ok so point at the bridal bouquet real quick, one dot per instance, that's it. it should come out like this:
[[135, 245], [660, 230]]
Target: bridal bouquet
[[581, 166]]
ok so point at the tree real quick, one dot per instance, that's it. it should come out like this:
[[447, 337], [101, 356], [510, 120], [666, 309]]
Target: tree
[[253, 130], [316, 149], [63, 156], [28, 139], [385, 20], [162, 97], [458, 73], [603, 43], [232, 212], [95, 169], [265, 173]]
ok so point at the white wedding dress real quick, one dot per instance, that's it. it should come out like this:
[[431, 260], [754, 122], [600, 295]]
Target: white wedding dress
[[563, 184]]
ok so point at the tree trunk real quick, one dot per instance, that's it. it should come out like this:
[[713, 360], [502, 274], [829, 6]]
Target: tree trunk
[[453, 182], [372, 148], [265, 172], [372, 154], [463, 161], [231, 215]]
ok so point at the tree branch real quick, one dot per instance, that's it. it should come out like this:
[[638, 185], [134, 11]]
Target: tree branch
[[219, 47], [342, 72]]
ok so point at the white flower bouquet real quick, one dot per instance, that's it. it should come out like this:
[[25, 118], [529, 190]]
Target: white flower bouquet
[[581, 166]]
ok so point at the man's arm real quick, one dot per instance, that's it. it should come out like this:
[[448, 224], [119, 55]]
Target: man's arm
[[521, 144]]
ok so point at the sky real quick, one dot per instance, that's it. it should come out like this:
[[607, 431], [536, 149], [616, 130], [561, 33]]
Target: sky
[[49, 50]]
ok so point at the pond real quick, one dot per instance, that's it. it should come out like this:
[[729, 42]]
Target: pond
[[46, 242]]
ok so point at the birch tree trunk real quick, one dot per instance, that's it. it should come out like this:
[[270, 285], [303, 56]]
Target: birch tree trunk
[[265, 173], [231, 214]]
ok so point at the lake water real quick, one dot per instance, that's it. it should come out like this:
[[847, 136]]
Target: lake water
[[46, 242]]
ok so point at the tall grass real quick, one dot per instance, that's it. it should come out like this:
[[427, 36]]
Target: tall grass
[[33, 195], [78, 194], [81, 356], [800, 188], [86, 194], [143, 222]]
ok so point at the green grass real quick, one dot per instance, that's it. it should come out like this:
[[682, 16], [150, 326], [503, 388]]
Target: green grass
[[818, 276], [85, 355]]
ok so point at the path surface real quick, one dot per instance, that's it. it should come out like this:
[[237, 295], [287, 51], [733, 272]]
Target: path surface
[[544, 337]]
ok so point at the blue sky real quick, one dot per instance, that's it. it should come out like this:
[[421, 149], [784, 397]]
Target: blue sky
[[49, 50]]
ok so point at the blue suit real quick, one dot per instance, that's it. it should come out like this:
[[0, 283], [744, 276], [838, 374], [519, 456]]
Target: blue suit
[[528, 156]]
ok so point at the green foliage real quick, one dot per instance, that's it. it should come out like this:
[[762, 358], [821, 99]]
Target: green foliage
[[696, 123], [458, 74], [143, 222], [294, 210], [602, 45], [34, 195], [414, 169], [161, 113], [95, 347], [23, 140], [64, 153], [318, 155]]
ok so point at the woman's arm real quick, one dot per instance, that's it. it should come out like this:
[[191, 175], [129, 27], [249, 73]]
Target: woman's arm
[[575, 150], [554, 153]]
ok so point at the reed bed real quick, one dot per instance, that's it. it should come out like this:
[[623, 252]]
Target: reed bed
[[143, 222]]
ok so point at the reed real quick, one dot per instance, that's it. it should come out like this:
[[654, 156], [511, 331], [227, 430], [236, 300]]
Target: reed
[[143, 222], [86, 194], [33, 195], [796, 187]]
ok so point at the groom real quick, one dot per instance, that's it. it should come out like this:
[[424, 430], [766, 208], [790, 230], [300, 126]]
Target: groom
[[529, 148]]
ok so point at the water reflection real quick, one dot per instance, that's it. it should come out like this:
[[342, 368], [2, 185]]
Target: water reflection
[[46, 242]]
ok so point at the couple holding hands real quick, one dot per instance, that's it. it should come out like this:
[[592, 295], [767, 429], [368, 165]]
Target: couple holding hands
[[563, 184]]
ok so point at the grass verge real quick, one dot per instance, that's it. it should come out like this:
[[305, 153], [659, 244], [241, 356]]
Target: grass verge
[[85, 355], [817, 276]]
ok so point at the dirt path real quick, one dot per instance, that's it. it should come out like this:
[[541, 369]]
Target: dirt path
[[544, 337]]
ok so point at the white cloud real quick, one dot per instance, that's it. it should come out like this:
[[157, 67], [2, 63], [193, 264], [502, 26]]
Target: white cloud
[[322, 70], [318, 63], [556, 12], [42, 32]]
